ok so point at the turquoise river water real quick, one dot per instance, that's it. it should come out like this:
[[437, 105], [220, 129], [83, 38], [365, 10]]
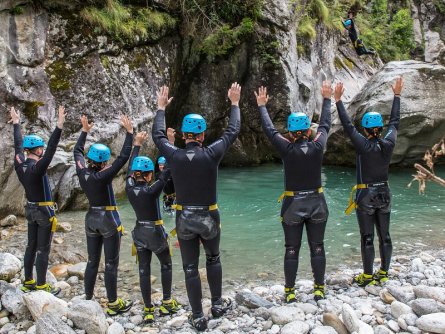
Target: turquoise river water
[[252, 237]]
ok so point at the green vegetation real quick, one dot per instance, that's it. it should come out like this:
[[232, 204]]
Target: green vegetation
[[17, 10], [31, 109], [59, 75], [386, 27], [126, 23]]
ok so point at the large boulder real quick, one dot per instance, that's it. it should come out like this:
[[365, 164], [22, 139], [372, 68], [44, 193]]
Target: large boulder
[[282, 315], [52, 324], [434, 323], [422, 111], [9, 266], [77, 269], [13, 302], [89, 316], [436, 293], [10, 220], [40, 302], [252, 300]]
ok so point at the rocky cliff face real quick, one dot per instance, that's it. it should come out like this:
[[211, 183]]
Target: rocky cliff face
[[52, 57]]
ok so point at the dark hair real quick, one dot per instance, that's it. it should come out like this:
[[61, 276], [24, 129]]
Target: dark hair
[[374, 132], [190, 135], [95, 166]]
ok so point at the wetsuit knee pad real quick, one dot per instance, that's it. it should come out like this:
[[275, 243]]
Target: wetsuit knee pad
[[112, 264], [191, 270], [317, 248], [213, 259], [387, 239], [43, 249], [368, 240], [291, 253], [166, 267]]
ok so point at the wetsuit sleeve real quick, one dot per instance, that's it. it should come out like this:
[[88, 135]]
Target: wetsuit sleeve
[[220, 146], [18, 146], [353, 34], [42, 165], [324, 126], [124, 155], [357, 139], [79, 149], [134, 154], [160, 137], [157, 186], [394, 121], [277, 140]]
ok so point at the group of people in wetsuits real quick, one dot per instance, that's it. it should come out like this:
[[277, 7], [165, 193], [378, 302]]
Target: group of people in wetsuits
[[193, 170]]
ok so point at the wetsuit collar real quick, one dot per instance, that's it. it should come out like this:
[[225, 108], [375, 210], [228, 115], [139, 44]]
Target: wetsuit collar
[[193, 144]]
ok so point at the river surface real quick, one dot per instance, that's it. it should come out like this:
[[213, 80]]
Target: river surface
[[252, 236]]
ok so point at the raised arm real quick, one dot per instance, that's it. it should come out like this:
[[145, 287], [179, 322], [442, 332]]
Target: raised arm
[[18, 139], [325, 117], [79, 148], [42, 165], [220, 146], [277, 140], [357, 139], [138, 141], [394, 120], [159, 134], [124, 155], [157, 186]]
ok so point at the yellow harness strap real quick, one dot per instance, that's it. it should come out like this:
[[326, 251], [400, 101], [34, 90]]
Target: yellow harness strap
[[111, 208], [159, 222], [352, 204], [292, 194], [121, 229], [179, 207], [173, 232], [53, 221], [46, 203]]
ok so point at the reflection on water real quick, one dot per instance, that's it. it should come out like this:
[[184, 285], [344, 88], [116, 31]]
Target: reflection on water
[[252, 237]]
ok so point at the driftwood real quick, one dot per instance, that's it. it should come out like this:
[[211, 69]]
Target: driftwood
[[423, 174]]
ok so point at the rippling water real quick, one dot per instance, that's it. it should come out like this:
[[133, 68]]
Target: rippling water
[[252, 237]]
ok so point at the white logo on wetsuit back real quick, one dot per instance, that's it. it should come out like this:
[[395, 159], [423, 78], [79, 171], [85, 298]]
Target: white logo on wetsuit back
[[136, 191], [304, 149], [25, 168], [87, 175], [190, 155]]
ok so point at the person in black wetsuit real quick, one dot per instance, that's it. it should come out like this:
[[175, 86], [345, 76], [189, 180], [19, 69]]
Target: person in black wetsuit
[[169, 197], [149, 235], [304, 203], [195, 171], [359, 47], [373, 198], [102, 222], [40, 208]]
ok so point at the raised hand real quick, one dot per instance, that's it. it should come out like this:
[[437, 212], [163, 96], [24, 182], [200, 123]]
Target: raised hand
[[234, 93], [171, 135], [61, 117], [338, 91], [126, 123], [326, 89], [261, 96], [140, 138], [163, 99], [15, 116], [398, 86], [86, 127]]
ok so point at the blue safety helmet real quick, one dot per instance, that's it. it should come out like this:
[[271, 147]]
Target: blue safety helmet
[[99, 153], [372, 119], [33, 141], [193, 123], [298, 121], [347, 23], [142, 164], [161, 161]]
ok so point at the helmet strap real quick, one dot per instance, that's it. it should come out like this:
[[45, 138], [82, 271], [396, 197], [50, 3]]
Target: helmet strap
[[373, 132]]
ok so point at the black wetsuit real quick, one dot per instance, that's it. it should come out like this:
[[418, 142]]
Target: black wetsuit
[[356, 41], [32, 175], [302, 161], [102, 227], [195, 171], [373, 156], [169, 197], [147, 236]]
